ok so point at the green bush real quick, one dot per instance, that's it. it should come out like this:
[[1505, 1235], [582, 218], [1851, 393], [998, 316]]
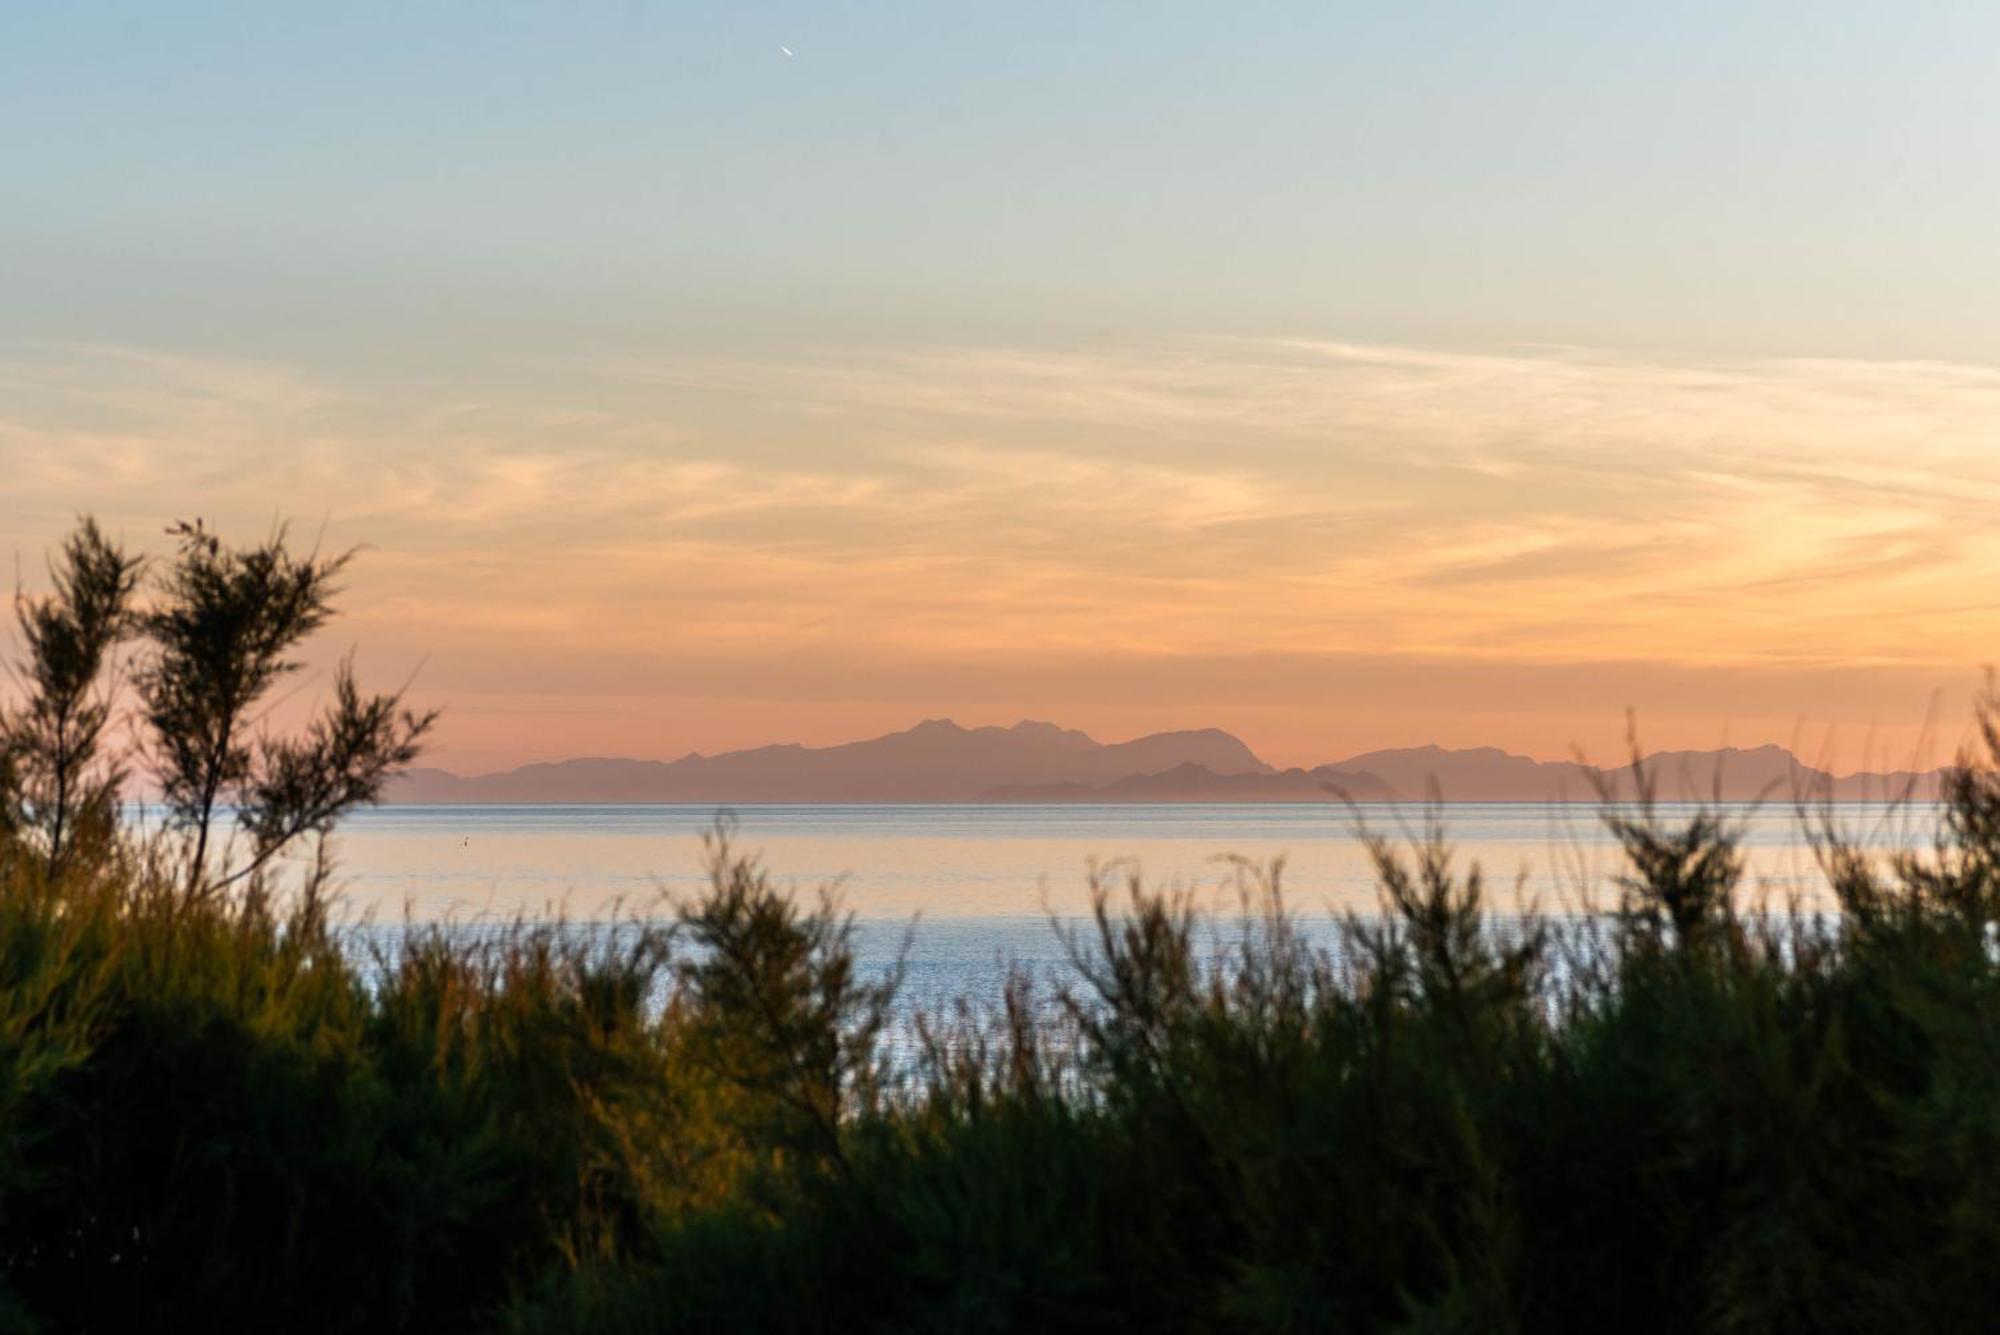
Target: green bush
[[223, 1109]]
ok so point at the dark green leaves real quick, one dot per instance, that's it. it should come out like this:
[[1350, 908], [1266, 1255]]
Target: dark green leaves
[[62, 787], [222, 627], [226, 629]]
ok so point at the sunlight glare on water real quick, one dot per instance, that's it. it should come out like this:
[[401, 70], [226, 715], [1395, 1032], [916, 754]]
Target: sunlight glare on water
[[978, 862]]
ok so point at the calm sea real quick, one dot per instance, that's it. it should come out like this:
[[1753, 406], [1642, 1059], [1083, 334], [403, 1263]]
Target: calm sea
[[982, 882]]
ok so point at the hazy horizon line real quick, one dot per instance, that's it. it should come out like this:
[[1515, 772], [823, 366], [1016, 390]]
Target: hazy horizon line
[[1576, 757]]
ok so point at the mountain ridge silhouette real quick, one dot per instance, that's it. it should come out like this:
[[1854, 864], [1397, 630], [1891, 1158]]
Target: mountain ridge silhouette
[[940, 761]]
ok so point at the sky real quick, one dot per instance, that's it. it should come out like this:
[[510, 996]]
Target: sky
[[700, 376]]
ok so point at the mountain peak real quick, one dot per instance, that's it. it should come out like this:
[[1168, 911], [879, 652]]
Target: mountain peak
[[939, 760]]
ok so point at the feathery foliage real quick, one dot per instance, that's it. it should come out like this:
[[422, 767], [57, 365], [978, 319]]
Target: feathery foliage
[[59, 785], [223, 633]]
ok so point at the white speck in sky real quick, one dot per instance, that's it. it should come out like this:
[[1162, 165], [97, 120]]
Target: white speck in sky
[[787, 50]]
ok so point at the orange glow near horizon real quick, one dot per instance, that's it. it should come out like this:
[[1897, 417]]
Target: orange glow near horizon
[[1324, 548]]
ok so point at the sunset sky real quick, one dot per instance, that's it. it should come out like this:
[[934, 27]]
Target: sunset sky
[[1344, 376]]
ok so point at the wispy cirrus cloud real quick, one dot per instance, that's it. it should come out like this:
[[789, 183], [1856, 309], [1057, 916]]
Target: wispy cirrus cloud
[[1545, 477]]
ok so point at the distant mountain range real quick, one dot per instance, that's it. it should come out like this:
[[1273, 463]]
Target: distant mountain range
[[939, 761]]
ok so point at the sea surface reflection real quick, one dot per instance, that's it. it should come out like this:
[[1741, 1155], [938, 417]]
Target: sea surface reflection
[[983, 882]]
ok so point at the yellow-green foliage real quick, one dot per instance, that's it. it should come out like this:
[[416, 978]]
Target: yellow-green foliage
[[233, 1112], [222, 1109], [228, 1112]]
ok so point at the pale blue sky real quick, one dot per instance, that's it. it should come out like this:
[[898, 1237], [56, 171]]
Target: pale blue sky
[[348, 178]]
